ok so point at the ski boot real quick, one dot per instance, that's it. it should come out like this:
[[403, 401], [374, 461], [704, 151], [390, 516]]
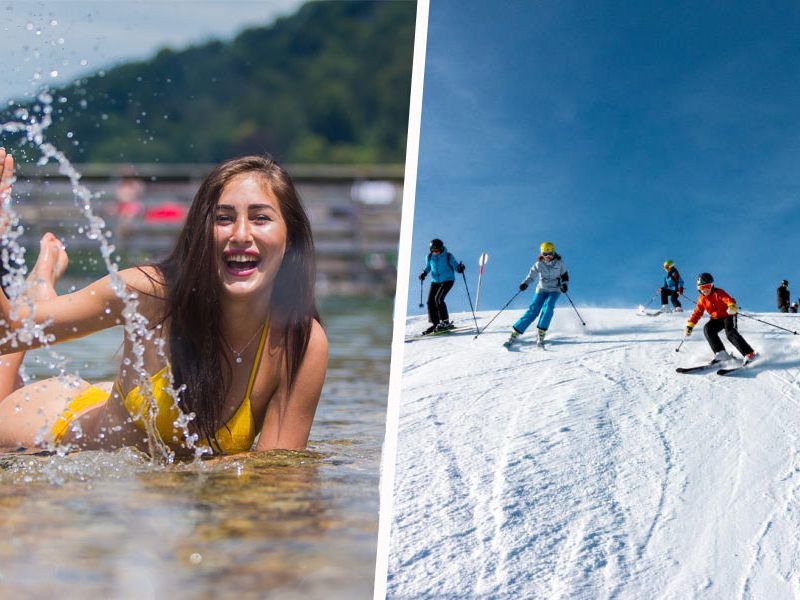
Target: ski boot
[[540, 337], [748, 358], [445, 326], [721, 356], [664, 309], [677, 309], [511, 339], [429, 330]]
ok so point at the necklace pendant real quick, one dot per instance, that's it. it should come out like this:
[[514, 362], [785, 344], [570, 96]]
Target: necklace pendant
[[238, 359]]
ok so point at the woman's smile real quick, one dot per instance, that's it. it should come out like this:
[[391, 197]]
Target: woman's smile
[[241, 263]]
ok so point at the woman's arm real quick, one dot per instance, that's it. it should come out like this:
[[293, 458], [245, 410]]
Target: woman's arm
[[74, 315], [287, 423]]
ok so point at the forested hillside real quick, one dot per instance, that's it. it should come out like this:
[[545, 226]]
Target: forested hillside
[[327, 84]]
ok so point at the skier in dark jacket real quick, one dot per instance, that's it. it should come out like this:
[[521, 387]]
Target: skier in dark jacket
[[443, 267], [672, 288], [783, 296]]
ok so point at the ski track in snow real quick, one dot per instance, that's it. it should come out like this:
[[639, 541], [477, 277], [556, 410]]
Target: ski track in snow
[[590, 469]]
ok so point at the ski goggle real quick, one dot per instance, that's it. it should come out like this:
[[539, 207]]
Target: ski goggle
[[705, 287], [548, 253], [436, 250]]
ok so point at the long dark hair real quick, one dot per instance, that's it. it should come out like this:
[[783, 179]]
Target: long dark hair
[[193, 288]]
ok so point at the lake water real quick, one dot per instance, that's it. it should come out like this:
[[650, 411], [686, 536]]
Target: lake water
[[277, 525]]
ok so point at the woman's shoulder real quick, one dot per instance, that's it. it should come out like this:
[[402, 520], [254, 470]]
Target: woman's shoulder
[[317, 341], [146, 279], [148, 283]]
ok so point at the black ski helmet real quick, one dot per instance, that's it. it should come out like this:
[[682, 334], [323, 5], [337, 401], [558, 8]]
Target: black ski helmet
[[704, 279], [437, 244], [785, 283]]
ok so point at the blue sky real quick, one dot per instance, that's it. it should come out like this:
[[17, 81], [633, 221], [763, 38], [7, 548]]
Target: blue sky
[[626, 133]]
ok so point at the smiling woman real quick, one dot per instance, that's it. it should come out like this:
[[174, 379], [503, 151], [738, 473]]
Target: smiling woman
[[237, 291]]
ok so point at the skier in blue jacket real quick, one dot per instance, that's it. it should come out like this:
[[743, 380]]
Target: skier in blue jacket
[[442, 266], [672, 288], [553, 278]]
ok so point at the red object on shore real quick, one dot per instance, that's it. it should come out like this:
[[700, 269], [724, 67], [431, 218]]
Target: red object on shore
[[166, 212]]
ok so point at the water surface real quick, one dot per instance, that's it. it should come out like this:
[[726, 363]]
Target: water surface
[[277, 524]]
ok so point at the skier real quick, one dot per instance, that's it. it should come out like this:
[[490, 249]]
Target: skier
[[553, 279], [783, 296], [721, 309], [672, 288], [793, 307], [442, 266]]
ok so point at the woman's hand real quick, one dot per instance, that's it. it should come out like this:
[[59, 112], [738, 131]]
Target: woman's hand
[[6, 173]]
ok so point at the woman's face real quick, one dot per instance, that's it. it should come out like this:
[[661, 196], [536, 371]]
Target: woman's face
[[249, 235]]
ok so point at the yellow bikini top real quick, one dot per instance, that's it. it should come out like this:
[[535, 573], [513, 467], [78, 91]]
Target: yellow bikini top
[[237, 435]]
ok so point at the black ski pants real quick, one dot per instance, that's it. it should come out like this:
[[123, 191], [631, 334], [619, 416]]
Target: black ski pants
[[714, 326], [437, 309], [668, 293]]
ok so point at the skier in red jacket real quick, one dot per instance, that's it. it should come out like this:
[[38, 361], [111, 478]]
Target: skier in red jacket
[[722, 310]]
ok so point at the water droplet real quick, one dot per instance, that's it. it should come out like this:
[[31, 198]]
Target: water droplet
[[29, 26], [53, 23], [54, 73], [70, 134], [84, 62], [195, 559]]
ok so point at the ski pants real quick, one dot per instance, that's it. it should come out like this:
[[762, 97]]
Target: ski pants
[[714, 326], [668, 293], [437, 309], [544, 302]]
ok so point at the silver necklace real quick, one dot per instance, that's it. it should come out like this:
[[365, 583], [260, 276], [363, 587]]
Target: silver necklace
[[238, 355]]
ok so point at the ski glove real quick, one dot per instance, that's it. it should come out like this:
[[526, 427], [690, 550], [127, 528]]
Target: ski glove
[[523, 286], [732, 309], [460, 267], [564, 288], [688, 330], [422, 276], [680, 291]]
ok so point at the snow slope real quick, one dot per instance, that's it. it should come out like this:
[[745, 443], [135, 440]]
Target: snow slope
[[591, 469]]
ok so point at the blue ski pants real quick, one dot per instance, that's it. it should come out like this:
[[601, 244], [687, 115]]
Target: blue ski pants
[[544, 302]]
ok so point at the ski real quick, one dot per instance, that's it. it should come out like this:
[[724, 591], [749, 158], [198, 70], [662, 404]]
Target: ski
[[422, 336], [697, 368], [736, 368], [731, 370]]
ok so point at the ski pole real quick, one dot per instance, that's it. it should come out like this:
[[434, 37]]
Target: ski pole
[[649, 302], [497, 315], [770, 324], [466, 287], [689, 299], [678, 349], [575, 309], [420, 294]]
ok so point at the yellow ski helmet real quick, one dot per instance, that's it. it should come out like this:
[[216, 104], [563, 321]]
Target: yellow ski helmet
[[547, 247]]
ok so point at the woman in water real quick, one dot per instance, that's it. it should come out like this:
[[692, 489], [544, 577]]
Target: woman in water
[[230, 318]]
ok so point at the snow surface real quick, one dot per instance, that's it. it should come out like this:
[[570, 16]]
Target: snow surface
[[591, 469]]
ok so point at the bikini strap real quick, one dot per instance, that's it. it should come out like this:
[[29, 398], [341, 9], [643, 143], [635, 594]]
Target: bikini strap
[[257, 360]]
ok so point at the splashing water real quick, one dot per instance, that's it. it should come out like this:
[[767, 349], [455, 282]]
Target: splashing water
[[135, 324]]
